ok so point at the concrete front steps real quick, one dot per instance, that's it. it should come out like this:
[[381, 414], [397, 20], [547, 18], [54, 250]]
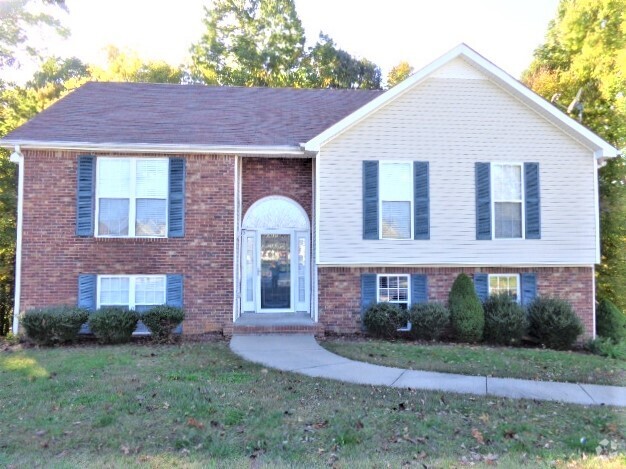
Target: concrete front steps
[[276, 323]]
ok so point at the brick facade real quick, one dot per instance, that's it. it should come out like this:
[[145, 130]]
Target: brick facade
[[53, 256], [339, 294]]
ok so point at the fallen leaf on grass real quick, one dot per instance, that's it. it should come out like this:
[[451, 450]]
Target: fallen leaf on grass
[[478, 436], [359, 425], [510, 435], [194, 423]]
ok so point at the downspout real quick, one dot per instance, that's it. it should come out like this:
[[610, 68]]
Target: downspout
[[17, 158]]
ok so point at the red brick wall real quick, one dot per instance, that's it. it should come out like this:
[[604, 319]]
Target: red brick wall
[[289, 177], [340, 290], [53, 256]]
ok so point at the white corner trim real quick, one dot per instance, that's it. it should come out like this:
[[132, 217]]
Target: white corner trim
[[18, 158], [294, 150], [601, 147]]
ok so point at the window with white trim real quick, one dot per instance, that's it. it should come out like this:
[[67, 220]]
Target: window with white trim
[[138, 292], [396, 200], [508, 200], [393, 289], [505, 283], [131, 197]]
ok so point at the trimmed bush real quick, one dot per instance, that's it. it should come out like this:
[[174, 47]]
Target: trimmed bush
[[162, 320], [54, 325], [610, 321], [605, 347], [466, 311], [428, 320], [554, 323], [383, 320], [113, 325], [505, 320]]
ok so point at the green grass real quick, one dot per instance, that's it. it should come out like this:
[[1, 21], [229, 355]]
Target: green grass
[[482, 360], [198, 405]]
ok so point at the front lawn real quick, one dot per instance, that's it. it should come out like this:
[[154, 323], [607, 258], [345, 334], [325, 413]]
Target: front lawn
[[482, 360], [198, 405]]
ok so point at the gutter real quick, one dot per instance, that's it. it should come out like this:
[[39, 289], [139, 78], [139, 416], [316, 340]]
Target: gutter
[[295, 150], [18, 158]]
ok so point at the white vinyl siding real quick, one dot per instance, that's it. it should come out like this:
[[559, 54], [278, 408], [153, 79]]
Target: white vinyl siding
[[505, 283], [507, 200], [454, 123], [396, 200], [131, 291], [393, 289], [131, 197]]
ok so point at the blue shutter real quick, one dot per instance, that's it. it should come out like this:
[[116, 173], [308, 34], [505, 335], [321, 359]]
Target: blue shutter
[[87, 296], [368, 291], [421, 202], [481, 285], [483, 201], [85, 195], [174, 295], [532, 200], [176, 207], [419, 288], [370, 200], [529, 288]]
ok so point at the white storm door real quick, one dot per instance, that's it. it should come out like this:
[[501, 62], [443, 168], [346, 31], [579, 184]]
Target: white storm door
[[249, 271], [276, 272]]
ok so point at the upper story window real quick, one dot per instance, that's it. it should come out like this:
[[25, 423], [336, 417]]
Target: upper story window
[[505, 283], [396, 200], [132, 197], [394, 289], [508, 200]]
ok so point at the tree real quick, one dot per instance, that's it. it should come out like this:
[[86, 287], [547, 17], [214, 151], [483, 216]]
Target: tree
[[261, 43], [399, 73], [128, 66], [581, 68]]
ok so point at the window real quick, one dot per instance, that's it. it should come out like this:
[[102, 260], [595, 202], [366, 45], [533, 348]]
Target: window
[[396, 200], [505, 283], [138, 292], [394, 289], [132, 197], [508, 202]]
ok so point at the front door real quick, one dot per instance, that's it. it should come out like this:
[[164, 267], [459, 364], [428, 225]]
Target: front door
[[275, 282]]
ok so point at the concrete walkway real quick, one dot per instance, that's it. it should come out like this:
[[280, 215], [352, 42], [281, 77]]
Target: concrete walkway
[[300, 353]]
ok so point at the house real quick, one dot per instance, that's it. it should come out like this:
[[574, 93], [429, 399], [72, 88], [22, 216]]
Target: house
[[312, 203]]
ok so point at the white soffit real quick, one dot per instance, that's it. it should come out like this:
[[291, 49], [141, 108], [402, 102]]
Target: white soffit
[[601, 148]]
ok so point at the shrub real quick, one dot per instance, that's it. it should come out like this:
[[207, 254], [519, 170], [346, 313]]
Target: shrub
[[113, 325], [610, 321], [383, 320], [553, 322], [606, 347], [466, 311], [428, 320], [162, 320], [54, 325], [505, 320]]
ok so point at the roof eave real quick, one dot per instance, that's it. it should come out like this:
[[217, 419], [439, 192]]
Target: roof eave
[[288, 150], [602, 149]]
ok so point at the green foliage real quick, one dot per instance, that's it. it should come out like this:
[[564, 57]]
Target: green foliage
[[605, 347], [6, 307], [399, 73], [128, 66], [113, 325], [162, 320], [428, 320], [466, 311], [553, 322], [54, 325], [383, 320], [261, 43], [505, 320], [610, 321]]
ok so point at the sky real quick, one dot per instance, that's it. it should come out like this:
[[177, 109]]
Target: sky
[[383, 31]]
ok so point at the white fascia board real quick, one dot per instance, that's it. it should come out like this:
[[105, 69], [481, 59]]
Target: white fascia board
[[155, 148], [601, 148]]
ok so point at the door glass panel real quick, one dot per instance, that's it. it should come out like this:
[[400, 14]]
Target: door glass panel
[[275, 271], [249, 268], [301, 269]]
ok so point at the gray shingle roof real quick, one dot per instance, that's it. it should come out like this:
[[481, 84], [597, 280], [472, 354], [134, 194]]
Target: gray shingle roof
[[140, 113]]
